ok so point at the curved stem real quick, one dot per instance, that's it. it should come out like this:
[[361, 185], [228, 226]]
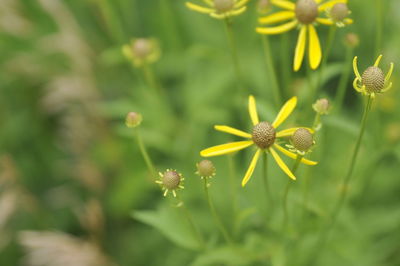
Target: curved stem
[[286, 192], [189, 217], [232, 46], [218, 221], [344, 79], [331, 37], [344, 189], [271, 70], [145, 155]]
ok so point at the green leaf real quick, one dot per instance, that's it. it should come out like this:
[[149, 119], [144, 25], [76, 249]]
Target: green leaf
[[171, 222]]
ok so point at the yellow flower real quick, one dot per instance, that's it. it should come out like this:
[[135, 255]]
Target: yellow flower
[[263, 136], [337, 15], [303, 14], [220, 9], [373, 80], [142, 51]]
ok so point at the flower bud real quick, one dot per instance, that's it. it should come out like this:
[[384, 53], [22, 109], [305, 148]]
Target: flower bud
[[373, 79], [263, 6], [133, 119], [205, 168], [321, 106], [142, 48], [302, 139], [171, 179], [339, 12], [223, 5], [352, 40]]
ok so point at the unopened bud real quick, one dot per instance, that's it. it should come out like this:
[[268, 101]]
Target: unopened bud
[[321, 106], [133, 119]]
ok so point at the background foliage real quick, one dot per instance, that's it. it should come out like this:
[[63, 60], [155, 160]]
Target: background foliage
[[68, 163]]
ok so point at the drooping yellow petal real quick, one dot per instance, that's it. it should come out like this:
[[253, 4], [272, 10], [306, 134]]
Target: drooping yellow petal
[[355, 68], [284, 4], [277, 17], [289, 132], [239, 11], [278, 29], [241, 3], [209, 2], [226, 148], [355, 85], [348, 21], [293, 155], [300, 48], [282, 164], [198, 8], [253, 110], [285, 111], [232, 131], [330, 4], [251, 168], [325, 21], [389, 74], [378, 60], [314, 48]]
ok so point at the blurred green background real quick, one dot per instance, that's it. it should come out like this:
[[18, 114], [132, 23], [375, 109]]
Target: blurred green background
[[71, 173]]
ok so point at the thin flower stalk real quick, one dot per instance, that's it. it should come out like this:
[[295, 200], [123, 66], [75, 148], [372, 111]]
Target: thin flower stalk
[[344, 80], [217, 219], [331, 37], [271, 70], [232, 46], [145, 154], [193, 226]]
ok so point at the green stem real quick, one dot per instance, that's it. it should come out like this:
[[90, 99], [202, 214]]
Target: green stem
[[317, 121], [379, 27], [331, 37], [286, 192], [344, 188], [150, 78], [285, 64], [265, 178], [271, 70], [232, 184], [146, 157], [344, 79], [193, 226], [218, 221], [232, 46]]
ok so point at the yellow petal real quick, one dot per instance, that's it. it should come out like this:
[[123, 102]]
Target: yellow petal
[[241, 3], [277, 17], [330, 4], [378, 60], [285, 111], [289, 132], [278, 29], [253, 110], [200, 9], [284, 4], [225, 148], [232, 131], [239, 11], [325, 21], [355, 68], [389, 74], [251, 168], [348, 21], [282, 164], [300, 47], [314, 48], [293, 155]]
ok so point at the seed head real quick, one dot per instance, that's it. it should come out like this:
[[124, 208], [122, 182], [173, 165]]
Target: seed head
[[133, 119], [263, 6], [205, 168], [263, 135], [352, 40], [171, 179], [339, 12], [374, 79], [142, 48], [306, 11], [321, 106], [223, 5], [302, 139]]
